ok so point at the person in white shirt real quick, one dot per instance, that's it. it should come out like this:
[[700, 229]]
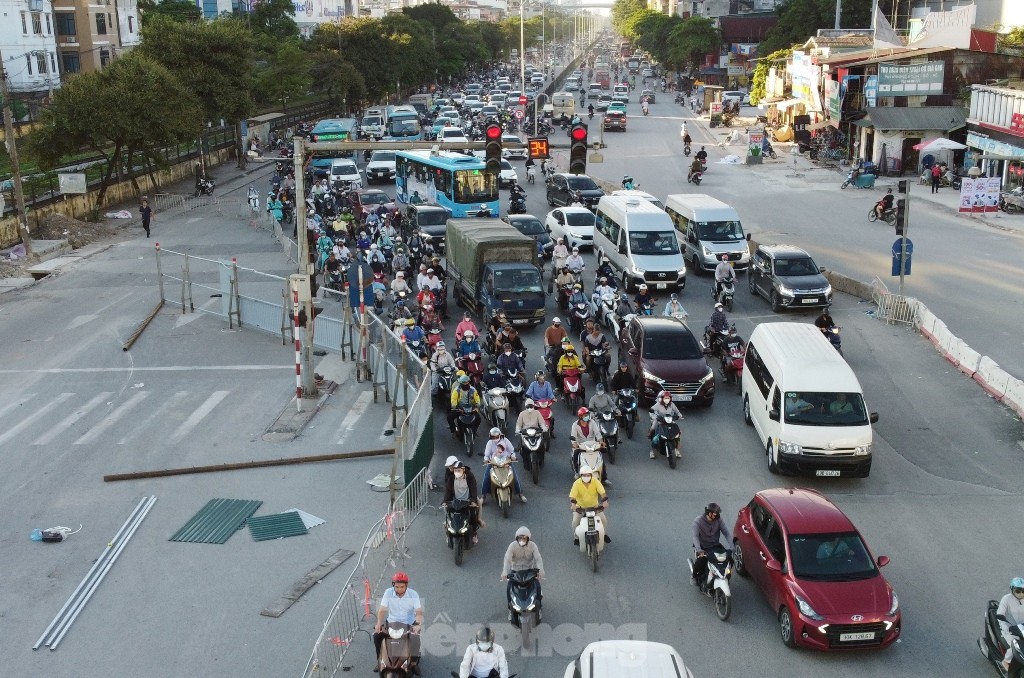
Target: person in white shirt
[[400, 604], [484, 658], [723, 273], [1011, 607]]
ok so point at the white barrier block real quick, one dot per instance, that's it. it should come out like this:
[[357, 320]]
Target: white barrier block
[[925, 321], [1014, 396], [966, 358], [941, 336], [991, 377]]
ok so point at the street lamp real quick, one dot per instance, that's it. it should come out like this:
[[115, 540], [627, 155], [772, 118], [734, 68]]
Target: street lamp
[[522, 51]]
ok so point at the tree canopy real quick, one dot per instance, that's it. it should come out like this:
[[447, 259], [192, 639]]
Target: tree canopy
[[799, 20]]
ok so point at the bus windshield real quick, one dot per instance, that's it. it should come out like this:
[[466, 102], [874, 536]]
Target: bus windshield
[[403, 127], [474, 186]]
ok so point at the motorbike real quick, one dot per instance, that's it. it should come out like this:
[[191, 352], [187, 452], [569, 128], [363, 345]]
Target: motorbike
[[419, 347], [514, 388], [502, 481], [713, 341], [496, 407], [606, 312], [716, 582], [433, 337], [626, 403], [832, 334], [396, 660], [686, 150], [666, 437], [590, 534], [204, 187], [472, 365], [1012, 201], [524, 602], [531, 174], [458, 527], [544, 407], [679, 98], [767, 149], [531, 447], [732, 364], [592, 456], [517, 203], [445, 383], [645, 309], [645, 109], [572, 386], [888, 215], [726, 294], [578, 317], [464, 427], [993, 646], [609, 423], [695, 178], [600, 358], [564, 292], [851, 177]]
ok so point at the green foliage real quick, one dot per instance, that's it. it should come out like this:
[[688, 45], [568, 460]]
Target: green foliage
[[1013, 40], [652, 34], [691, 39], [799, 20], [337, 78], [757, 86], [178, 10], [622, 10], [274, 19], [288, 76], [434, 14]]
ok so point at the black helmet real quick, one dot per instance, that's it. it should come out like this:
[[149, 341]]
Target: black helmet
[[713, 508], [485, 635]]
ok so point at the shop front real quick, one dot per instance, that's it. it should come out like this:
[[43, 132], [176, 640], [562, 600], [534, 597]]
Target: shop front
[[887, 135]]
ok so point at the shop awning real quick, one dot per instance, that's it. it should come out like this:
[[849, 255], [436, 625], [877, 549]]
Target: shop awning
[[944, 118]]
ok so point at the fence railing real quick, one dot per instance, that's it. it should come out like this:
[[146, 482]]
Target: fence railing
[[892, 308], [383, 552]]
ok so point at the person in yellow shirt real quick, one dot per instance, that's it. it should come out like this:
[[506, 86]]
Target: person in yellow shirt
[[570, 360], [587, 492]]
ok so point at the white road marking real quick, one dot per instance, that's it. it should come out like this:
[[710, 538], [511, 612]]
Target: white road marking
[[198, 415], [72, 419], [186, 318], [29, 418], [112, 418], [353, 416], [164, 368], [17, 403], [157, 415]]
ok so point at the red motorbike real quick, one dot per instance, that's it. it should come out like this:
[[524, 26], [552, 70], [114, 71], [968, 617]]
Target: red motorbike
[[732, 364], [572, 386], [473, 365], [544, 407]]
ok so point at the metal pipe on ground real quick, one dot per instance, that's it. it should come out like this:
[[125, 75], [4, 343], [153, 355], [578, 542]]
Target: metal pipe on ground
[[142, 326]]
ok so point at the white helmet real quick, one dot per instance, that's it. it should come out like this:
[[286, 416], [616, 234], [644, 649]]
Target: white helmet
[[586, 470]]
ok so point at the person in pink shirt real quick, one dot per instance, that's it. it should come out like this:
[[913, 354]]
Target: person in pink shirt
[[466, 324]]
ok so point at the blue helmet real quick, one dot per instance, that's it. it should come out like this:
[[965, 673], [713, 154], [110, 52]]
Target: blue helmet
[[1017, 583]]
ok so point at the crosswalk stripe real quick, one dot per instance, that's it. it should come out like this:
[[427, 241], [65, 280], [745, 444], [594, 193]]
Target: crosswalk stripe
[[71, 419], [198, 415], [353, 416], [28, 419], [158, 414], [112, 418]]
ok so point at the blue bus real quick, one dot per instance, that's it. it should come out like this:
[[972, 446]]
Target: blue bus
[[334, 129], [457, 182], [402, 123]]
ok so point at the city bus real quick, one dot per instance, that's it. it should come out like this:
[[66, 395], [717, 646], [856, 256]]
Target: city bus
[[332, 129], [402, 123], [457, 182]]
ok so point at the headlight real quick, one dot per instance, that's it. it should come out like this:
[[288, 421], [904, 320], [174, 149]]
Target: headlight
[[681, 271], [806, 609], [707, 252], [895, 605], [636, 270], [650, 377], [828, 290], [790, 448], [784, 291], [577, 236], [862, 450], [708, 377]]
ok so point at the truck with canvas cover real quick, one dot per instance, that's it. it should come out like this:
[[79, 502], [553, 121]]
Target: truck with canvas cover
[[492, 267]]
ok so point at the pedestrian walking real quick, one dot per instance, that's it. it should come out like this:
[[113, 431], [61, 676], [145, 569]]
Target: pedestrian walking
[[936, 177], [147, 215]]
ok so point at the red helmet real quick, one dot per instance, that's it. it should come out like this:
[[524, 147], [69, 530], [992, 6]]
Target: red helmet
[[582, 411], [400, 578], [664, 394]]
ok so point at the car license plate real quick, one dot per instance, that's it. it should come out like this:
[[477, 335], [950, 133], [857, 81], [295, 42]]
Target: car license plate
[[830, 474], [682, 398], [524, 321], [845, 637], [809, 301], [661, 286]]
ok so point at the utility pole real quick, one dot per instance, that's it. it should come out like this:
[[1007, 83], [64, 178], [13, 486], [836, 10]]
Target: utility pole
[[12, 151], [839, 10], [309, 388]]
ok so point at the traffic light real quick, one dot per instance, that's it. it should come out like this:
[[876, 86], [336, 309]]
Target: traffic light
[[578, 149], [492, 135], [901, 215]]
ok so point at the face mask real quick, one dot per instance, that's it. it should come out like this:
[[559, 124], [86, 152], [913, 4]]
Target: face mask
[[484, 646], [529, 407], [586, 418], [586, 479], [508, 352], [666, 400], [465, 387], [460, 474], [523, 542]]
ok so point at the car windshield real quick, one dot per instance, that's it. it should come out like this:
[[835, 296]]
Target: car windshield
[[830, 557], [382, 156], [825, 409], [719, 231], [675, 345], [796, 266], [581, 183], [432, 218], [526, 280], [371, 120], [529, 226], [580, 218], [374, 199], [653, 242], [343, 169]]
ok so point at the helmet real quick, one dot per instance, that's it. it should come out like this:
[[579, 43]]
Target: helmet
[[464, 379], [524, 531], [713, 508], [485, 636], [495, 431], [373, 246], [1017, 583], [556, 321], [440, 344], [718, 305], [600, 387], [451, 461], [483, 205], [569, 347], [604, 279], [400, 578], [577, 286], [586, 470], [623, 363], [467, 315], [673, 296], [605, 260], [663, 394], [468, 334], [492, 366], [582, 411], [643, 287], [529, 403], [575, 250], [732, 329], [506, 346], [409, 322]]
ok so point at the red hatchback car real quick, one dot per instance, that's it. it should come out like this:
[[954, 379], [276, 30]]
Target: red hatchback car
[[817, 573]]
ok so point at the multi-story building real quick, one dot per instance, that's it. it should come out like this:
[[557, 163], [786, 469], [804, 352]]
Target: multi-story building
[[91, 33], [28, 46]]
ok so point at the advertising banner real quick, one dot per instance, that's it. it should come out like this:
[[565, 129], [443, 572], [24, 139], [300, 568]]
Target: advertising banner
[[871, 90], [911, 80], [833, 99], [980, 195]]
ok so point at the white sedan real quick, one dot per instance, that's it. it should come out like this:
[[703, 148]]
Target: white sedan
[[574, 224], [512, 153]]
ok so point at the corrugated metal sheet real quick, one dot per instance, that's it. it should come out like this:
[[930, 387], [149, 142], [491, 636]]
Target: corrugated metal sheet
[[308, 519], [276, 526], [217, 521], [945, 118]]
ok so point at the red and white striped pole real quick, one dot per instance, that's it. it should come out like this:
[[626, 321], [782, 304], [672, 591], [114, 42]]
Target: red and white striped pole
[[362, 309], [298, 346]]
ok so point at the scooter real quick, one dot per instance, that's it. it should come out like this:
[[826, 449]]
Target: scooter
[[531, 447], [578, 317], [473, 366], [496, 407], [531, 174], [572, 386], [609, 423], [204, 187], [716, 583], [396, 660], [888, 215], [686, 150], [625, 403], [591, 455], [464, 427], [600, 358], [458, 527], [590, 534], [832, 334], [524, 602], [726, 294], [514, 388], [445, 383], [695, 178], [666, 438], [732, 365], [544, 407], [517, 203], [606, 312], [502, 480], [993, 646]]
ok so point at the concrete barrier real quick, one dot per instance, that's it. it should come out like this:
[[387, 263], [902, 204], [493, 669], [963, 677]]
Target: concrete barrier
[[991, 377], [940, 335], [963, 356], [848, 285], [1014, 396], [925, 320]]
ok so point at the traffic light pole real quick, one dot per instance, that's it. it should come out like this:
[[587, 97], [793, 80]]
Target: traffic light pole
[[905, 190]]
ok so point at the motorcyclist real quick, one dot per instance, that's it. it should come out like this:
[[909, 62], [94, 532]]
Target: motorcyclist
[[553, 335], [587, 492], [511, 336], [530, 418], [621, 378], [627, 182], [577, 296], [884, 204], [695, 168], [400, 248], [1012, 607], [563, 279], [509, 361], [674, 308], [464, 395], [583, 430], [824, 321], [575, 263], [429, 318], [523, 554], [400, 604], [643, 298], [623, 307], [701, 155], [664, 406], [559, 254], [484, 658], [708, 530], [732, 340], [413, 332], [400, 263], [499, 446], [492, 377], [466, 324], [602, 400], [468, 344], [439, 361], [592, 341], [605, 270], [590, 111], [723, 273], [717, 326], [601, 290], [460, 484], [570, 360]]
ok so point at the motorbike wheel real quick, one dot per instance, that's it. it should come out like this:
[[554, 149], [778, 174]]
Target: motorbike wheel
[[504, 508], [594, 555], [460, 548], [696, 180], [728, 304], [527, 622], [671, 454], [844, 184], [723, 604], [773, 155], [611, 449], [629, 427], [467, 438], [535, 467], [890, 218], [872, 215]]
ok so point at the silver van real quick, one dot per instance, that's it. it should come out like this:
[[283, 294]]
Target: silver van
[[640, 242], [708, 228]]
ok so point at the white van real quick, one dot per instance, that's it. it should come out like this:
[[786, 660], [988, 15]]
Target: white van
[[708, 228], [563, 102], [805, 403], [640, 242]]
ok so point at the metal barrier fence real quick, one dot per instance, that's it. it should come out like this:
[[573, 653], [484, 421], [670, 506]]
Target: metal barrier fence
[[892, 308], [383, 552], [183, 202]]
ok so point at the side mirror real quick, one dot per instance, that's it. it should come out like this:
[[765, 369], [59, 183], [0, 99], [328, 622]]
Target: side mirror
[[634, 352], [773, 565], [883, 561], [773, 415], [748, 237], [873, 417]]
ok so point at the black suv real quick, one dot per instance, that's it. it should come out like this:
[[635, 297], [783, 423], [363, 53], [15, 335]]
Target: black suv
[[527, 224], [430, 221], [563, 187], [788, 278], [667, 357]]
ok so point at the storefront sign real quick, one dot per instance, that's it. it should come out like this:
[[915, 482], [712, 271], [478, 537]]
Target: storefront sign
[[993, 147], [871, 90], [833, 99], [911, 80], [980, 195]]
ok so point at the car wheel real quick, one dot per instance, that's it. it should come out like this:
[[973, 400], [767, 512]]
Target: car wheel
[[696, 266], [773, 466], [751, 285], [776, 302], [786, 627], [641, 400], [737, 557], [746, 411], [551, 203]]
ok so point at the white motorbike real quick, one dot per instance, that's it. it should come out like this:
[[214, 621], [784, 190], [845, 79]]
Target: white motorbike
[[604, 311], [496, 406], [716, 581], [590, 455], [590, 534], [502, 481]]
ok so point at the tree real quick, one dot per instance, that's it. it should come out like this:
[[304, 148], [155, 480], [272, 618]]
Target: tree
[[1012, 41], [434, 14], [652, 31], [287, 77], [133, 108], [337, 78], [800, 20], [274, 19], [757, 86], [691, 40], [622, 10], [178, 10]]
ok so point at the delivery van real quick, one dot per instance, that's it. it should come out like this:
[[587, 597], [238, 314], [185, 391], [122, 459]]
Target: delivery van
[[640, 243], [708, 228], [562, 102]]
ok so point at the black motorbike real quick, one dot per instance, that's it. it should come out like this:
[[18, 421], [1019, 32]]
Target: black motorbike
[[458, 527], [625, 403], [666, 437], [517, 202], [600, 359], [204, 186], [993, 645], [609, 423], [524, 601]]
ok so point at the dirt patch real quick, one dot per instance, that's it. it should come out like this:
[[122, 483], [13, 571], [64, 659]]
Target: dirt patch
[[60, 227]]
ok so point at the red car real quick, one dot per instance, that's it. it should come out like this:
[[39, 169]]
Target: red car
[[368, 200], [816, 572]]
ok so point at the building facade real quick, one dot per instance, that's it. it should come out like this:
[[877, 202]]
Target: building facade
[[29, 47], [995, 132], [91, 33]]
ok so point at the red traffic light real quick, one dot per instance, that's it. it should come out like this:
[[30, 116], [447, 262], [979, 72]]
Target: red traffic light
[[579, 133], [493, 132]]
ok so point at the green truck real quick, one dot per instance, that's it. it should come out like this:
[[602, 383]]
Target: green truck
[[492, 267]]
